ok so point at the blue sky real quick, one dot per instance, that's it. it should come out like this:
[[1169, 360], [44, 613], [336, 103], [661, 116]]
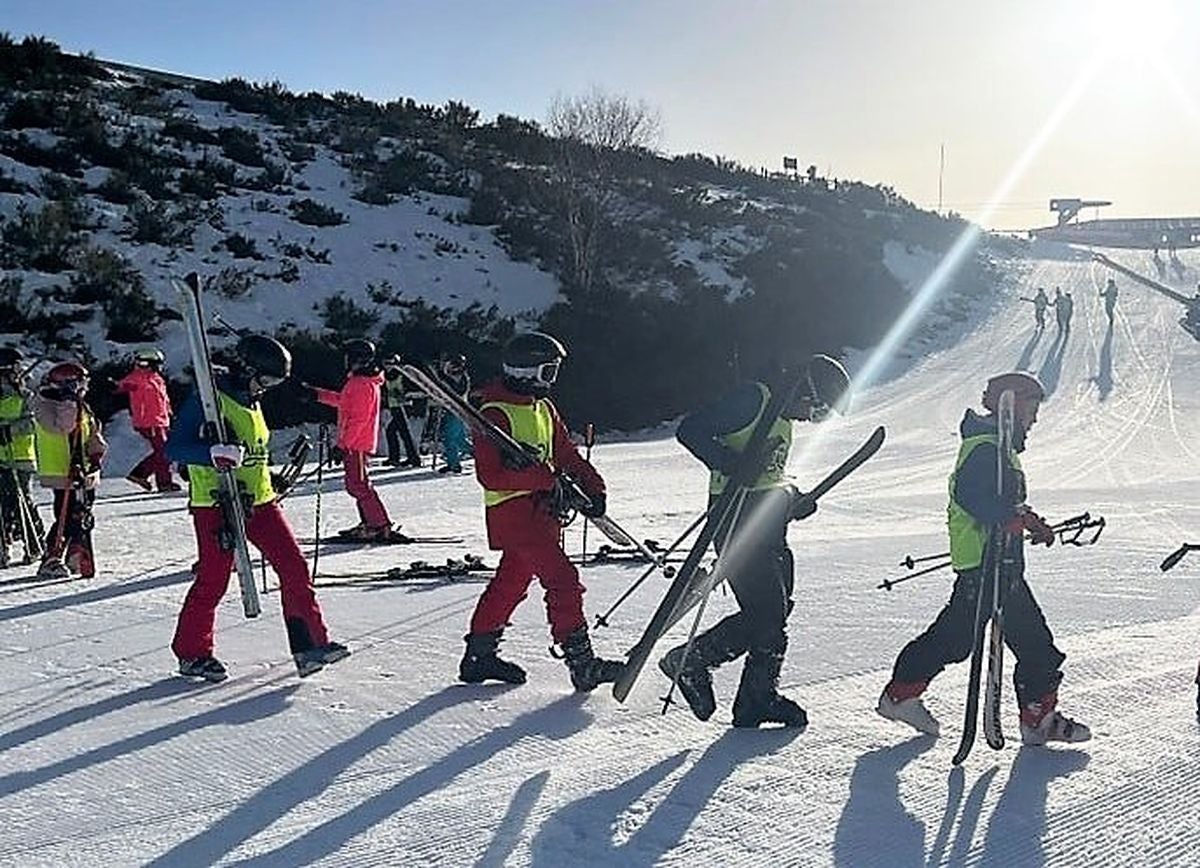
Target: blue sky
[[869, 89]]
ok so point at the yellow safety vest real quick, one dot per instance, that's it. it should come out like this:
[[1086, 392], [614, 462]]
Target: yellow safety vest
[[532, 425], [20, 449], [54, 449], [247, 427], [772, 475], [968, 538]]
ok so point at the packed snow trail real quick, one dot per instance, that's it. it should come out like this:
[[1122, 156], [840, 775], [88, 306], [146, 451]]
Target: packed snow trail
[[384, 760]]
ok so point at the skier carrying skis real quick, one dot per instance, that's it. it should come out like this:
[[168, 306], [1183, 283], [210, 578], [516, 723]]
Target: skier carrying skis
[[454, 432], [18, 461], [1109, 294], [754, 546], [150, 413], [70, 448], [259, 363], [976, 506], [358, 437], [521, 507], [397, 427]]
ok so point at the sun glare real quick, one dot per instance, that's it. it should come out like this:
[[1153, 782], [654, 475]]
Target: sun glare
[[1124, 28]]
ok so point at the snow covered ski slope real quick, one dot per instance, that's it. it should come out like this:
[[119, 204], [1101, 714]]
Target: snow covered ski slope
[[107, 758]]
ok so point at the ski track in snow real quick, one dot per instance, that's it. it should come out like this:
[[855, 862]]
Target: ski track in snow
[[384, 760]]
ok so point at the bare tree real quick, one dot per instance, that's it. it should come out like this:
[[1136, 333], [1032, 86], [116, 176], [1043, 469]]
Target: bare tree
[[592, 129]]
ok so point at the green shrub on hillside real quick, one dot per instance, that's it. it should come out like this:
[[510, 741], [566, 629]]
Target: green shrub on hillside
[[313, 213]]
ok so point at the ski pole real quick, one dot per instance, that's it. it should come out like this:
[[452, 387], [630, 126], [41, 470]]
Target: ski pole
[[602, 620], [589, 437], [910, 561], [1176, 556], [322, 437], [886, 584], [1070, 531]]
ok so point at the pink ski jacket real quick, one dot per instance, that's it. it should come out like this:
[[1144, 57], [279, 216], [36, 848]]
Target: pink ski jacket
[[149, 406], [358, 411]]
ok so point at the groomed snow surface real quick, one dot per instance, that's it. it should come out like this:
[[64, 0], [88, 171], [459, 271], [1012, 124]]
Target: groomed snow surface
[[383, 759]]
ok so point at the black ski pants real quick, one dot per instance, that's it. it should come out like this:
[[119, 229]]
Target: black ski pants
[[397, 429], [758, 566], [16, 503], [950, 638]]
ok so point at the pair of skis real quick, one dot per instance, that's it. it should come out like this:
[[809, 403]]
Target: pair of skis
[[989, 607], [232, 533], [692, 584], [517, 455]]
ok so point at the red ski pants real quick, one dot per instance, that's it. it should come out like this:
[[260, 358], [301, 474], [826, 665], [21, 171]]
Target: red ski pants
[[558, 576], [156, 462], [267, 528], [358, 486]]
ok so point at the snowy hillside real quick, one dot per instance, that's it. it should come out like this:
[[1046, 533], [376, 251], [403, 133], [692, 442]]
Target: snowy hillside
[[385, 760]]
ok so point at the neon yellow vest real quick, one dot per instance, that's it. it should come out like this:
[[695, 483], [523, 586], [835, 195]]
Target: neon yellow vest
[[968, 538], [248, 427], [772, 475], [54, 449], [20, 450], [532, 425]]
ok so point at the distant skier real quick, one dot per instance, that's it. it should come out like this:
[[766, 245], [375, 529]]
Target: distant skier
[[1040, 303], [19, 519], [975, 506], [760, 562], [259, 363], [150, 413], [1191, 318], [1109, 294], [70, 448], [397, 428], [522, 519], [358, 437], [1061, 316], [455, 443]]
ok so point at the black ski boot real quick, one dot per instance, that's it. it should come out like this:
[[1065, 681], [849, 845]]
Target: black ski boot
[[710, 649], [208, 668], [480, 662], [758, 700], [587, 670]]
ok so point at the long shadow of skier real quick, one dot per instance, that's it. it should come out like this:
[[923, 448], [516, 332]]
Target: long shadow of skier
[[581, 832], [1051, 368], [249, 710], [558, 720], [1027, 353], [94, 595], [1018, 824], [86, 713], [1104, 376], [875, 828]]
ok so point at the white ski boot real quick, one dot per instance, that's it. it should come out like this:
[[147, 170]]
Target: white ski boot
[[911, 711], [1053, 726]]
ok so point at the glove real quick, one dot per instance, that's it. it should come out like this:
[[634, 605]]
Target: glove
[[1028, 520], [802, 506], [595, 506], [226, 456]]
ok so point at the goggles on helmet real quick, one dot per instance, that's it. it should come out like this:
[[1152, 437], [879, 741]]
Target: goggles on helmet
[[262, 382], [545, 373]]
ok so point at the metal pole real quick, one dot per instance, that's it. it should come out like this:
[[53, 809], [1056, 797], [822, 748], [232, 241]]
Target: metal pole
[[323, 436]]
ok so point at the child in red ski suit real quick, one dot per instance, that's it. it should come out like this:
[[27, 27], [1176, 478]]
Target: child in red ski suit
[[150, 412], [523, 525]]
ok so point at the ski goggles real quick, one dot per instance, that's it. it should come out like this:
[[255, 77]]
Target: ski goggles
[[545, 373], [260, 382]]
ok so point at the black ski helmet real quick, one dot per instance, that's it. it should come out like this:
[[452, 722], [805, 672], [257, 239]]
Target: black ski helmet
[[828, 384], [358, 353], [11, 357], [264, 359], [531, 362]]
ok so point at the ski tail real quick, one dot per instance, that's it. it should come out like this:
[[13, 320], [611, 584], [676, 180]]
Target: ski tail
[[233, 516]]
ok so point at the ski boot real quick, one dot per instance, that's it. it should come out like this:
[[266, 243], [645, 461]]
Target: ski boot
[[587, 670], [140, 482], [718, 645], [480, 662], [1041, 722], [315, 659], [902, 702], [758, 700], [53, 568], [79, 561], [209, 668]]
